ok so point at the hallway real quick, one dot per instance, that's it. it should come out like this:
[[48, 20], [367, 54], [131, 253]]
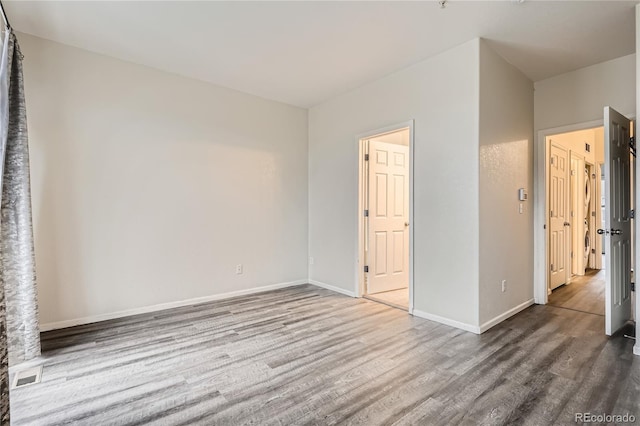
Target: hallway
[[584, 294]]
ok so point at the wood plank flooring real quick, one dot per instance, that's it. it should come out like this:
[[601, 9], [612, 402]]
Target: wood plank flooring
[[397, 298], [308, 356], [585, 293]]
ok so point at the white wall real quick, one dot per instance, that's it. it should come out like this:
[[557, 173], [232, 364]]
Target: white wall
[[441, 95], [149, 188], [575, 142], [506, 164], [580, 96]]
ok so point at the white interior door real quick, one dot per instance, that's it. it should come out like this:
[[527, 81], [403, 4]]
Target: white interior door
[[388, 220], [559, 232], [617, 172]]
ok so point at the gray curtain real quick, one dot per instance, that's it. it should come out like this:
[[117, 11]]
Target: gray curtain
[[4, 125], [17, 264], [17, 273]]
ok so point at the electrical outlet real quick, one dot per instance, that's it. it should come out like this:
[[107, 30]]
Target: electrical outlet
[[239, 268], [310, 260], [504, 285]]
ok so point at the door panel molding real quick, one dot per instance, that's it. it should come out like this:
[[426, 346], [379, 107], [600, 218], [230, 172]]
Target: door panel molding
[[560, 262], [617, 130], [387, 218]]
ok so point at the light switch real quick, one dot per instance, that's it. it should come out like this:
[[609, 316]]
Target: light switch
[[522, 194]]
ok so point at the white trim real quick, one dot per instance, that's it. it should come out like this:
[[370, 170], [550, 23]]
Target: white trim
[[39, 360], [162, 306], [333, 288], [446, 321], [511, 312], [359, 284], [636, 349]]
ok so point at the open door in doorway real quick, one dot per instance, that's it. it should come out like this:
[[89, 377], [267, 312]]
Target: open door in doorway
[[617, 220], [388, 254], [559, 231], [386, 202]]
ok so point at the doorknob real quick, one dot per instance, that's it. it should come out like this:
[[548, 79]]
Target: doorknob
[[406, 224], [602, 232], [616, 231]]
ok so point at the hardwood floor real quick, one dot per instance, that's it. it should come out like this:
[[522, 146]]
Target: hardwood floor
[[308, 356], [585, 293], [396, 298]]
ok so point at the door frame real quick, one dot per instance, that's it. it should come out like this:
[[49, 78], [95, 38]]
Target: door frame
[[540, 220], [360, 255]]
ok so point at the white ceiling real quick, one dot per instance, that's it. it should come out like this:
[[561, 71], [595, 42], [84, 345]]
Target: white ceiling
[[303, 53]]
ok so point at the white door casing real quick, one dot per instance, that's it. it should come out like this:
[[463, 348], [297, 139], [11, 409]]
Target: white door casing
[[559, 232], [617, 220], [388, 220]]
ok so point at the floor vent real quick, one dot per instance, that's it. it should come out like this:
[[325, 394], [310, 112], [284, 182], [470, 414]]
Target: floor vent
[[26, 377]]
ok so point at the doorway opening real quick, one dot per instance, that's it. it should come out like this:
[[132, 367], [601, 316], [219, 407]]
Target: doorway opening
[[385, 238], [568, 251], [575, 208]]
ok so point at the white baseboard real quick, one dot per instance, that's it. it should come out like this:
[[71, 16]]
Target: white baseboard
[[636, 349], [162, 306], [332, 288], [446, 321], [39, 360], [511, 312]]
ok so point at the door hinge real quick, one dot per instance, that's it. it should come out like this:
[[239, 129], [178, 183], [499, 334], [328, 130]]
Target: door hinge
[[552, 160], [366, 213], [632, 214], [632, 145], [366, 157], [366, 269], [573, 172], [633, 286], [552, 267]]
